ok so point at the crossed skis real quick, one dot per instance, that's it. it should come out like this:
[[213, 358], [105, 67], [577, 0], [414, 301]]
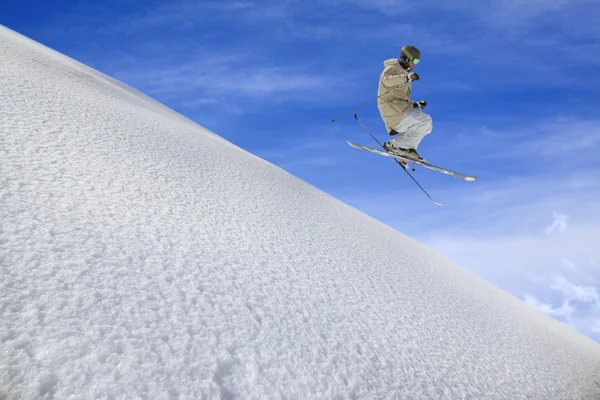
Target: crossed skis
[[401, 160]]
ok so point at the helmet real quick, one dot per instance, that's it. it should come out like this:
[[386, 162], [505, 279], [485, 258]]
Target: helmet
[[409, 53]]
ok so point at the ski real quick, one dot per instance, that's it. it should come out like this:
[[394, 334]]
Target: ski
[[404, 168], [407, 159]]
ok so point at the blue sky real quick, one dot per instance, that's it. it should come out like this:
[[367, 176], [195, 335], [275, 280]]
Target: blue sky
[[512, 87]]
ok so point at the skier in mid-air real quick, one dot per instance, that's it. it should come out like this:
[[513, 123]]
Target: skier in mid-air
[[402, 116], [404, 119]]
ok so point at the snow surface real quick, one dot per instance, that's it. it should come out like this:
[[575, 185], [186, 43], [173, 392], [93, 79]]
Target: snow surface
[[144, 257]]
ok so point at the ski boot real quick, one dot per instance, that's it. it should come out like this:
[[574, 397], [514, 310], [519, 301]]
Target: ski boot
[[408, 153]]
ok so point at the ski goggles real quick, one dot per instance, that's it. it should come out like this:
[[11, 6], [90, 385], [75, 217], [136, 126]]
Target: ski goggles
[[415, 60]]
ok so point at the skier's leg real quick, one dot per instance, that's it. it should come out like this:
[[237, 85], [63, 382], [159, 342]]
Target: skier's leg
[[416, 124]]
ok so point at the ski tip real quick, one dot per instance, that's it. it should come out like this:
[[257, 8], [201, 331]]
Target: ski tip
[[470, 178]]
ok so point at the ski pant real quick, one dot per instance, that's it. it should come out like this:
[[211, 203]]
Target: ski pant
[[415, 125]]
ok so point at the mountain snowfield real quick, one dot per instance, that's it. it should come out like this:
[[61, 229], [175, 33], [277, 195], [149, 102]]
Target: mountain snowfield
[[144, 257]]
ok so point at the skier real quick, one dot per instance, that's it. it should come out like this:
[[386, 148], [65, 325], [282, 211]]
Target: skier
[[399, 113]]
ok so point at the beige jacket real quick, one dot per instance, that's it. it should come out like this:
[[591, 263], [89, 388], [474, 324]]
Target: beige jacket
[[393, 105]]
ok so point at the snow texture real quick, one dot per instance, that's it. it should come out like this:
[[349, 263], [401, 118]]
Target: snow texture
[[144, 257]]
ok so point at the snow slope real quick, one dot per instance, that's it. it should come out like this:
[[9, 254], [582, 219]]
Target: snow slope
[[143, 257]]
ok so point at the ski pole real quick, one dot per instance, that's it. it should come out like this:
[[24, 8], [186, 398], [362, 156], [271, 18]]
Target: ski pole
[[365, 103]]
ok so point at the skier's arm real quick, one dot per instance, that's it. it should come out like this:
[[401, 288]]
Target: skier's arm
[[391, 79]]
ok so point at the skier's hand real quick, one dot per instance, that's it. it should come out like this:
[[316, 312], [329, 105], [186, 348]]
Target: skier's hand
[[420, 104], [413, 76]]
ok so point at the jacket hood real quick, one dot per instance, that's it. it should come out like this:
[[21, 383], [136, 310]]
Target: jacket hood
[[395, 62], [391, 61]]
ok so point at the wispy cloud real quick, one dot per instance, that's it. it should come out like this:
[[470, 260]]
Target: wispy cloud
[[502, 14], [220, 75], [556, 141], [520, 262], [563, 137], [559, 223], [509, 248], [577, 305], [564, 311], [533, 43], [194, 59], [574, 292], [185, 14]]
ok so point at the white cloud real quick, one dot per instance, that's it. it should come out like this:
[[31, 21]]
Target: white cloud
[[578, 293], [532, 267], [564, 311], [555, 273], [544, 143], [579, 305], [565, 136], [498, 14], [185, 13], [559, 223], [224, 78]]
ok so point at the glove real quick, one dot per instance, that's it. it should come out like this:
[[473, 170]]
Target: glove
[[413, 76], [420, 104]]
